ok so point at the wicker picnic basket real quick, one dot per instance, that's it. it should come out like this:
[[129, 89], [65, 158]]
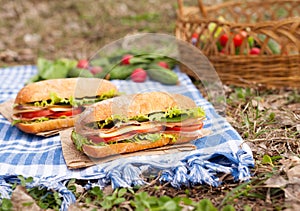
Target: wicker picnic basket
[[272, 27]]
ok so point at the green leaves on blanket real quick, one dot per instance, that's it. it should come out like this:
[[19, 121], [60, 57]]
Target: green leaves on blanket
[[48, 69]]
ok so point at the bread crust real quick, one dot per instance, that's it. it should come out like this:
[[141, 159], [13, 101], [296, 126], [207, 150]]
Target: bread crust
[[49, 125], [137, 104], [121, 148], [64, 88]]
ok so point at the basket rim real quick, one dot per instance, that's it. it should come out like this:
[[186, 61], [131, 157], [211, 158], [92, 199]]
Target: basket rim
[[185, 19], [238, 2]]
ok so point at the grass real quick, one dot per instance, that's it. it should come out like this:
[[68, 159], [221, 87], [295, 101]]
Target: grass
[[122, 198], [77, 29]]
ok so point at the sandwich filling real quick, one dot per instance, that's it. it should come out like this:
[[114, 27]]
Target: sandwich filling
[[174, 123], [54, 108]]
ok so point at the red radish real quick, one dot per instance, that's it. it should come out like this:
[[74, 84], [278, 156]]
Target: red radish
[[194, 38], [95, 69], [83, 63], [139, 75], [126, 59], [223, 39], [254, 51], [195, 35], [163, 64], [238, 40]]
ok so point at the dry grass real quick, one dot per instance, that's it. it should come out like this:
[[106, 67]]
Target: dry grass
[[76, 29]]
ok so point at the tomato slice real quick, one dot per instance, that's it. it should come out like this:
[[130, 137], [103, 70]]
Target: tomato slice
[[72, 112], [33, 114], [186, 128], [49, 113]]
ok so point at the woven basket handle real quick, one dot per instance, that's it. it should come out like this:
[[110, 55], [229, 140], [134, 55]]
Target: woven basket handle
[[200, 4]]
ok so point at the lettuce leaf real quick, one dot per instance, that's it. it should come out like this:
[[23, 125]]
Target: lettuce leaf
[[190, 113], [170, 115], [171, 136], [80, 140], [56, 100], [141, 118], [145, 136], [59, 68], [105, 96], [176, 115], [112, 120], [48, 69], [41, 119]]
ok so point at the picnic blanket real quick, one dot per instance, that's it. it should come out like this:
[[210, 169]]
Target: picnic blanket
[[223, 151]]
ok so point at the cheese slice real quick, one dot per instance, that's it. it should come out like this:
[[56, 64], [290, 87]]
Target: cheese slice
[[146, 127], [55, 108]]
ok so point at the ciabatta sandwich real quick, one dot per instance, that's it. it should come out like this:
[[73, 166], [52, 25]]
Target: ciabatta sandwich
[[52, 104], [137, 122]]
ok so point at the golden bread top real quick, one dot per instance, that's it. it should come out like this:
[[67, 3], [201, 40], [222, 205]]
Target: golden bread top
[[64, 88], [137, 104]]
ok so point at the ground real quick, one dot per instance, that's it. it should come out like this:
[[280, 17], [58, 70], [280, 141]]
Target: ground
[[268, 120]]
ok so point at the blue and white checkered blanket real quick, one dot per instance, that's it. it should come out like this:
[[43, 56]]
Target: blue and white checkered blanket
[[42, 158]]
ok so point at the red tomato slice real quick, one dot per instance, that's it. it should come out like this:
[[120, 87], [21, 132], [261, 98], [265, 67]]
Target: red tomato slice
[[186, 129], [97, 139], [33, 114], [67, 113]]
